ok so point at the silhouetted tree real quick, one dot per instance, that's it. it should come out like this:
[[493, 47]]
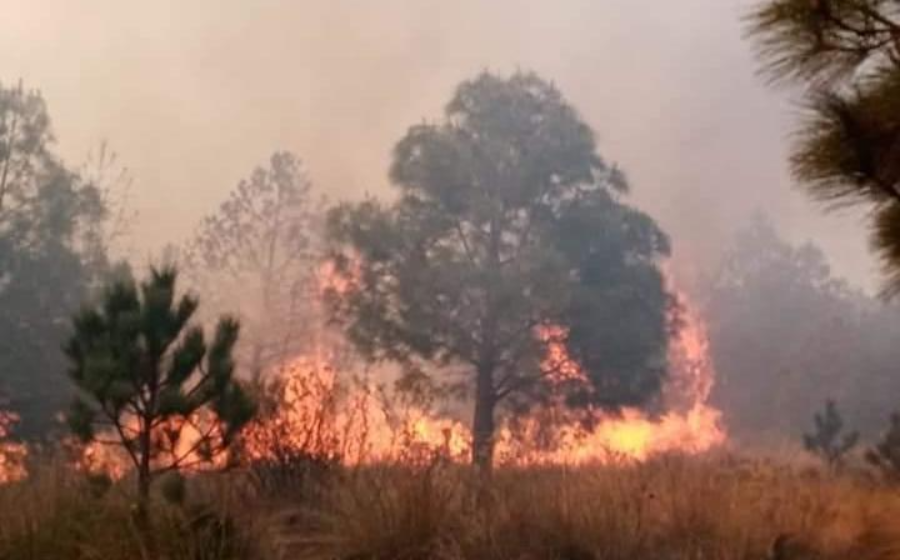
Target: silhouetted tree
[[507, 221], [828, 440], [149, 382], [47, 258], [847, 55], [885, 455], [106, 241], [257, 251], [786, 334]]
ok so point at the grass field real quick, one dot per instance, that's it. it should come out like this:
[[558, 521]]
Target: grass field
[[670, 508]]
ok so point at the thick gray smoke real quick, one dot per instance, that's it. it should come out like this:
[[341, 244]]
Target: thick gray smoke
[[194, 94]]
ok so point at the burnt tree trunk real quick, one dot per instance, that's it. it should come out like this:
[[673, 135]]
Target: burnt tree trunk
[[144, 474], [483, 424]]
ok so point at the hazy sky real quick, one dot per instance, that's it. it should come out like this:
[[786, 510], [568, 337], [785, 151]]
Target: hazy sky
[[193, 94]]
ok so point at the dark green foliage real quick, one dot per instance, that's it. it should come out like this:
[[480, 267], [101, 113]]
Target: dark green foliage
[[847, 54], [886, 454], [829, 441], [507, 221], [145, 374], [48, 259]]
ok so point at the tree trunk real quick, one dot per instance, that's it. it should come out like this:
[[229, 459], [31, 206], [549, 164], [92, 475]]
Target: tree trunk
[[483, 422], [143, 485], [144, 471]]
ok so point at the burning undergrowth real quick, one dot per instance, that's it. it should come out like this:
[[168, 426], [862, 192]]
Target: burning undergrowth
[[12, 454], [323, 412], [316, 407]]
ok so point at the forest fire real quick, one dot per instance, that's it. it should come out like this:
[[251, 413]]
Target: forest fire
[[318, 415], [317, 412], [178, 443], [362, 422], [12, 454], [689, 423]]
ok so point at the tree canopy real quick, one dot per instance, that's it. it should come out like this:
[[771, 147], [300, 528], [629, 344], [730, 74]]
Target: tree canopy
[[48, 258], [150, 382], [846, 54], [507, 222], [257, 254]]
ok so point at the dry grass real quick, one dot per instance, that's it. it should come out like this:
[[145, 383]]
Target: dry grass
[[676, 509], [668, 509]]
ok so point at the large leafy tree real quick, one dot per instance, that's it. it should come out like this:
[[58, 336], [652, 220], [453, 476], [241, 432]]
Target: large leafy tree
[[150, 382], [847, 55], [508, 223], [46, 211], [257, 252]]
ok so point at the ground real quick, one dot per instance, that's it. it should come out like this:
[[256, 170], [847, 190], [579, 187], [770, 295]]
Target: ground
[[669, 508]]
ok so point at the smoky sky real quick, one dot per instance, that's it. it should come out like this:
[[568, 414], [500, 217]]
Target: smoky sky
[[193, 94]]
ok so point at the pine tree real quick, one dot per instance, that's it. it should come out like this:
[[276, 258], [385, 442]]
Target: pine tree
[[149, 382], [846, 55], [829, 441], [886, 454]]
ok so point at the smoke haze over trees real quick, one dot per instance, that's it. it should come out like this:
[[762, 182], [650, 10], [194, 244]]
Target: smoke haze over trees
[[258, 255], [507, 222], [51, 253], [788, 335], [192, 102], [191, 110]]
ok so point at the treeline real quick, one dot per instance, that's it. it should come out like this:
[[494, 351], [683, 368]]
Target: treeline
[[788, 335], [56, 226], [507, 220], [508, 225]]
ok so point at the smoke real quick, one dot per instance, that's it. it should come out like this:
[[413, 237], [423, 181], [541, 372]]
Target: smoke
[[194, 94]]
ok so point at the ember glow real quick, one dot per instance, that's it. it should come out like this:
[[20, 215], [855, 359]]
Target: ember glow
[[355, 421], [690, 424], [321, 412], [360, 422], [178, 440], [12, 454]]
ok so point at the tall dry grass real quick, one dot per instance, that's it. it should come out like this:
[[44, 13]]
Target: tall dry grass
[[666, 509], [60, 514]]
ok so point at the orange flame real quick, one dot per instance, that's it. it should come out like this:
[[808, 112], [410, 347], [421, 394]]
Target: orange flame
[[177, 440], [360, 423], [320, 414], [12, 454], [689, 425]]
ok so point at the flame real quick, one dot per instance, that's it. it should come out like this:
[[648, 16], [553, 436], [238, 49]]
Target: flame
[[320, 414], [360, 423], [690, 423], [12, 454], [177, 439]]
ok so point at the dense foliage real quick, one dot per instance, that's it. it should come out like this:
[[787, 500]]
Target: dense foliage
[[507, 222], [846, 54], [148, 380], [49, 259]]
